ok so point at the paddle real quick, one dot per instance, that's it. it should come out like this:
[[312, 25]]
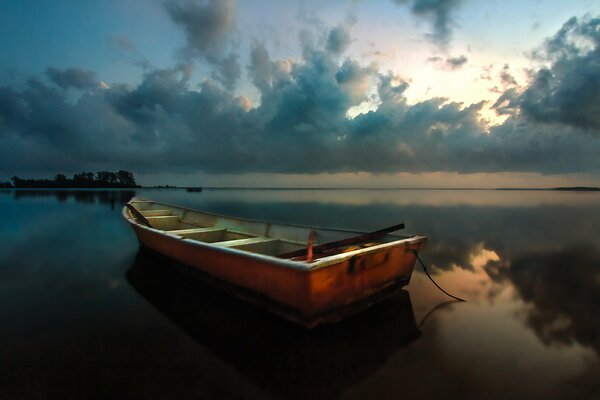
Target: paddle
[[138, 216], [366, 237]]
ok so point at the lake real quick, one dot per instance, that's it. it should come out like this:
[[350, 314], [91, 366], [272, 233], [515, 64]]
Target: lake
[[85, 314]]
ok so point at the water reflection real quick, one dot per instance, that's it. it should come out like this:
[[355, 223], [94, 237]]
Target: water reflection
[[528, 262], [563, 289], [112, 197], [281, 358]]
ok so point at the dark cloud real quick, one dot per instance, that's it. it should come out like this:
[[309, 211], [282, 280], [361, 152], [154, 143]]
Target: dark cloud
[[208, 29], [506, 77], [456, 62], [450, 63], [228, 71], [567, 91], [260, 66], [439, 12], [338, 40], [354, 80], [301, 125], [72, 78]]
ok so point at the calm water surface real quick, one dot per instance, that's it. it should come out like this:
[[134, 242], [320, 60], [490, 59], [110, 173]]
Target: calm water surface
[[83, 314]]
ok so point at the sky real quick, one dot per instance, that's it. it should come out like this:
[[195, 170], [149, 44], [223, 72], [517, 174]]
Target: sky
[[388, 93]]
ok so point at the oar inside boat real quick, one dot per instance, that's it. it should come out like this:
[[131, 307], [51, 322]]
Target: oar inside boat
[[311, 250], [138, 215]]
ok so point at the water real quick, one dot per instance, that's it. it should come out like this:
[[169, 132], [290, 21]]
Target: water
[[84, 315]]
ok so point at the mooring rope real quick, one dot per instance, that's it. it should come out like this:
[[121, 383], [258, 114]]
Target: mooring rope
[[429, 276], [443, 304]]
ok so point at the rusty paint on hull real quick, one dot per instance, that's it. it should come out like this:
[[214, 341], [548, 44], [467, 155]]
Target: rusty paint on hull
[[307, 293]]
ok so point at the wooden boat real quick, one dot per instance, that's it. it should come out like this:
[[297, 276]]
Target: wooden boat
[[308, 275]]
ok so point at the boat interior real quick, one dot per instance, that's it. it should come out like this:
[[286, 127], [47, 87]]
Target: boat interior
[[266, 238]]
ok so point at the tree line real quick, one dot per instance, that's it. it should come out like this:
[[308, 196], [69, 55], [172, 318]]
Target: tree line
[[100, 179]]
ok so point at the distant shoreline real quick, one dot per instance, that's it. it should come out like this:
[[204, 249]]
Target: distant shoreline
[[559, 189]]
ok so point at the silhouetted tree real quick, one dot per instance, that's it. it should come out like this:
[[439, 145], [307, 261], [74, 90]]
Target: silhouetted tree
[[18, 182], [125, 178], [100, 179], [60, 178]]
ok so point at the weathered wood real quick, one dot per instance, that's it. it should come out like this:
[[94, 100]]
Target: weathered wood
[[242, 242], [308, 291], [209, 229], [156, 213], [138, 216], [311, 239], [367, 237]]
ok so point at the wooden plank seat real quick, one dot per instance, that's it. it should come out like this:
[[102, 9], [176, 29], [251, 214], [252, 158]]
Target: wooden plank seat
[[243, 242], [182, 232], [209, 234], [163, 218], [156, 213], [262, 245], [168, 223]]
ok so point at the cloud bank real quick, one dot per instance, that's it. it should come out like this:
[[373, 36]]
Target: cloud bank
[[65, 121]]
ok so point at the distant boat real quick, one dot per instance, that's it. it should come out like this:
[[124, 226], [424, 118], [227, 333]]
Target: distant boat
[[308, 275], [194, 189]]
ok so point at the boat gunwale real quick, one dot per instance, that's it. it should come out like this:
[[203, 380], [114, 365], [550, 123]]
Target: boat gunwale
[[298, 265]]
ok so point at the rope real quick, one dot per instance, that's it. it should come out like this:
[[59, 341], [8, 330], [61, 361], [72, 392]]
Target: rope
[[429, 276], [443, 304]]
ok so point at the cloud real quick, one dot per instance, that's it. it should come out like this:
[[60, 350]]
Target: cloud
[[208, 29], [126, 49], [450, 63], [506, 77], [167, 123], [338, 40], [456, 62], [567, 91], [355, 80], [260, 66], [439, 13], [76, 78], [435, 59], [228, 71]]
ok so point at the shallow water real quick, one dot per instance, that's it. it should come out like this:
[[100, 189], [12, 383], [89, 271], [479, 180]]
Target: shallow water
[[84, 315]]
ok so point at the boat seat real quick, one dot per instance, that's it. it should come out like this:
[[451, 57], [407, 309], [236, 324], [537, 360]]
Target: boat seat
[[163, 221], [244, 242], [156, 213], [168, 223], [197, 230]]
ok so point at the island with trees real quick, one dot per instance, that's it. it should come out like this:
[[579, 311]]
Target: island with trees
[[100, 179]]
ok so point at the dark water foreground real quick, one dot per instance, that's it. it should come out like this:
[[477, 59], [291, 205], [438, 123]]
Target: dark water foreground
[[83, 314]]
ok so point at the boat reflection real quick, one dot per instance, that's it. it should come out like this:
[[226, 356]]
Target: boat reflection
[[279, 357]]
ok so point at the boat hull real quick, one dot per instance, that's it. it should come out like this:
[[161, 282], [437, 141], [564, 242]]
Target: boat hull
[[309, 296]]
